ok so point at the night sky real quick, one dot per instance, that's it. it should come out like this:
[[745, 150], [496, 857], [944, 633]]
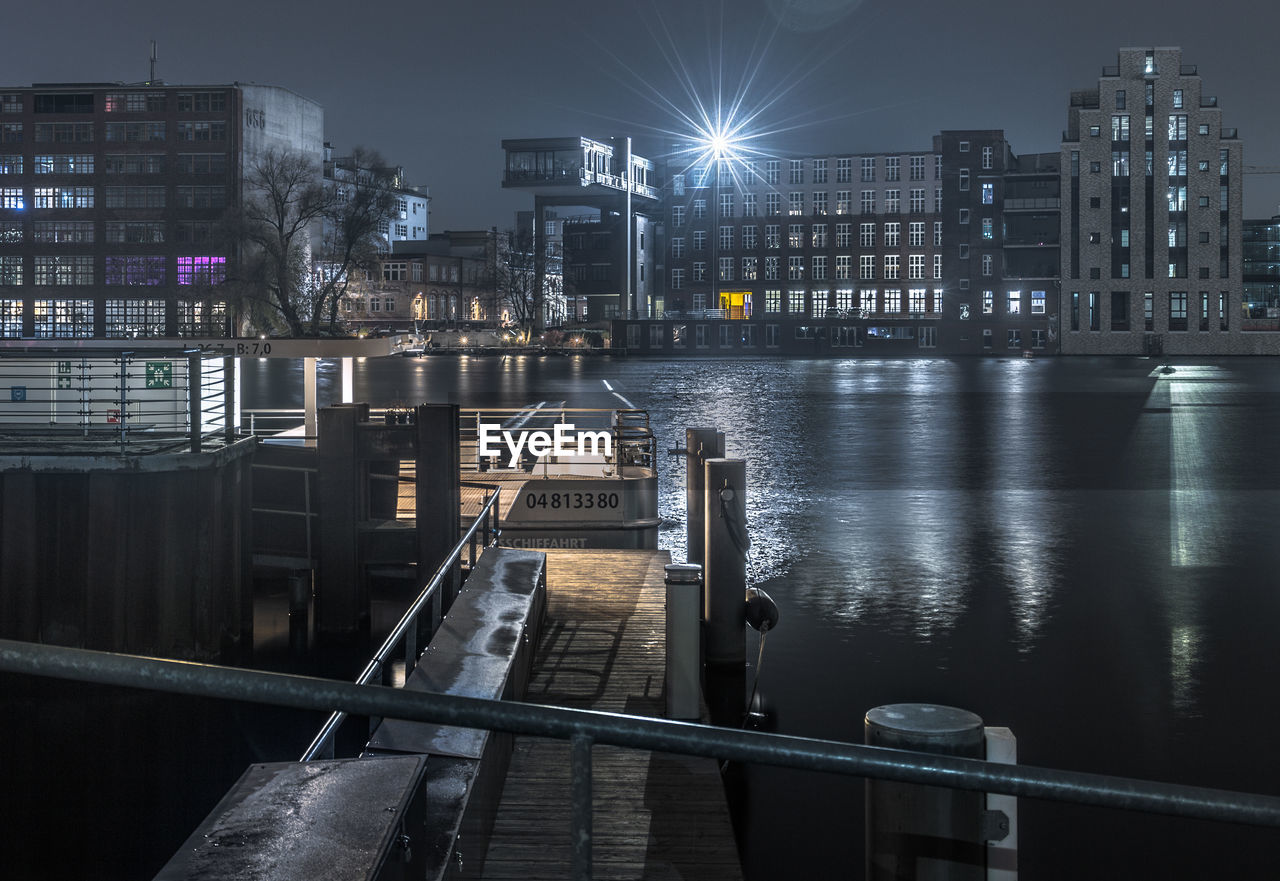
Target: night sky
[[436, 86]]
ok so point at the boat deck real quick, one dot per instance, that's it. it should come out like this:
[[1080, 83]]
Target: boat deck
[[655, 815]]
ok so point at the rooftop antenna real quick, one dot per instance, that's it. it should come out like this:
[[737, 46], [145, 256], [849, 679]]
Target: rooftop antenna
[[152, 78]]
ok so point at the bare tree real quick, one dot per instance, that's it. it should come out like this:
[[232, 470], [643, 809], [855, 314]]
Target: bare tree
[[517, 282], [302, 238]]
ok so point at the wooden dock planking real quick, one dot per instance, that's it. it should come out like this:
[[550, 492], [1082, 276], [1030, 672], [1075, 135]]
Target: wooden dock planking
[[655, 815]]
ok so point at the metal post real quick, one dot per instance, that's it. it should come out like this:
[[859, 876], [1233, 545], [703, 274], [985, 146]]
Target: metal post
[[725, 572], [580, 796], [309, 399], [684, 608], [193, 400], [924, 832], [230, 400], [700, 444]]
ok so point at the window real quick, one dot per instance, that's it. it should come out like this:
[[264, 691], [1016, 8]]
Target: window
[[699, 209], [749, 205], [749, 269], [75, 270], [772, 235], [892, 168], [1095, 131], [868, 169], [202, 102], [892, 234], [135, 270], [937, 267], [915, 235], [844, 171], [1120, 163], [677, 216], [964, 180], [917, 200], [795, 203], [194, 231], [1013, 301], [773, 203], [844, 234], [677, 247], [1177, 163], [677, 278], [10, 103], [819, 171], [963, 217], [62, 232], [699, 270], [202, 163], [937, 234], [1014, 337], [64, 132], [820, 203], [868, 201], [988, 156], [11, 133], [1178, 127], [1177, 198], [726, 204], [772, 171], [134, 132], [891, 301], [1204, 129], [11, 197], [1037, 302], [1120, 127], [988, 302], [1119, 99], [204, 197], [986, 264], [844, 266], [987, 228], [726, 238], [395, 271], [202, 270], [795, 268], [699, 240], [1177, 99], [1119, 310], [1177, 310], [964, 147], [867, 266], [772, 302], [844, 202], [62, 197], [749, 238], [796, 171], [61, 319], [11, 271], [819, 268], [892, 201], [726, 269], [964, 252], [891, 266], [917, 168], [915, 301], [62, 163], [11, 164], [916, 266]]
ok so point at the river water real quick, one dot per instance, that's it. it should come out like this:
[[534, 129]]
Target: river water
[[1082, 550]]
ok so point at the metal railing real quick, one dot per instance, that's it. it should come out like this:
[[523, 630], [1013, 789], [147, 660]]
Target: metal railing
[[129, 402], [408, 632], [584, 728]]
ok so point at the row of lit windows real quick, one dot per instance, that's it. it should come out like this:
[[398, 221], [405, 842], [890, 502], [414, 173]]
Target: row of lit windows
[[142, 232], [820, 268], [1178, 311], [119, 102], [1013, 302], [769, 172], [817, 237], [122, 132], [74, 270], [74, 318], [819, 206], [211, 197]]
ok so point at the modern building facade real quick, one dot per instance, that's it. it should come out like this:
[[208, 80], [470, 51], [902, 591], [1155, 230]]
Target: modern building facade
[[111, 196], [1260, 309], [609, 184], [1152, 214]]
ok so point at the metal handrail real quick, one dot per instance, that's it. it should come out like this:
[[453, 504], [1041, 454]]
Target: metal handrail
[[405, 628], [687, 738]]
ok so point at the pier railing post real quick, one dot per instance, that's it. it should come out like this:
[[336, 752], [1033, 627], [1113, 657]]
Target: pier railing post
[[909, 825], [580, 796], [724, 585], [684, 611], [342, 598], [700, 445], [438, 495]]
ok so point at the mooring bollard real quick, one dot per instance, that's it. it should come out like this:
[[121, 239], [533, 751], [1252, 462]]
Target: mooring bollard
[[684, 650], [926, 832], [700, 445]]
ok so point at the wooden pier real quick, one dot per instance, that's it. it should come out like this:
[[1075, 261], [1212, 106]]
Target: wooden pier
[[655, 815]]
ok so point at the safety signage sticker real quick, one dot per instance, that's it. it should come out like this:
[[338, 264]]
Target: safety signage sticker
[[159, 374]]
